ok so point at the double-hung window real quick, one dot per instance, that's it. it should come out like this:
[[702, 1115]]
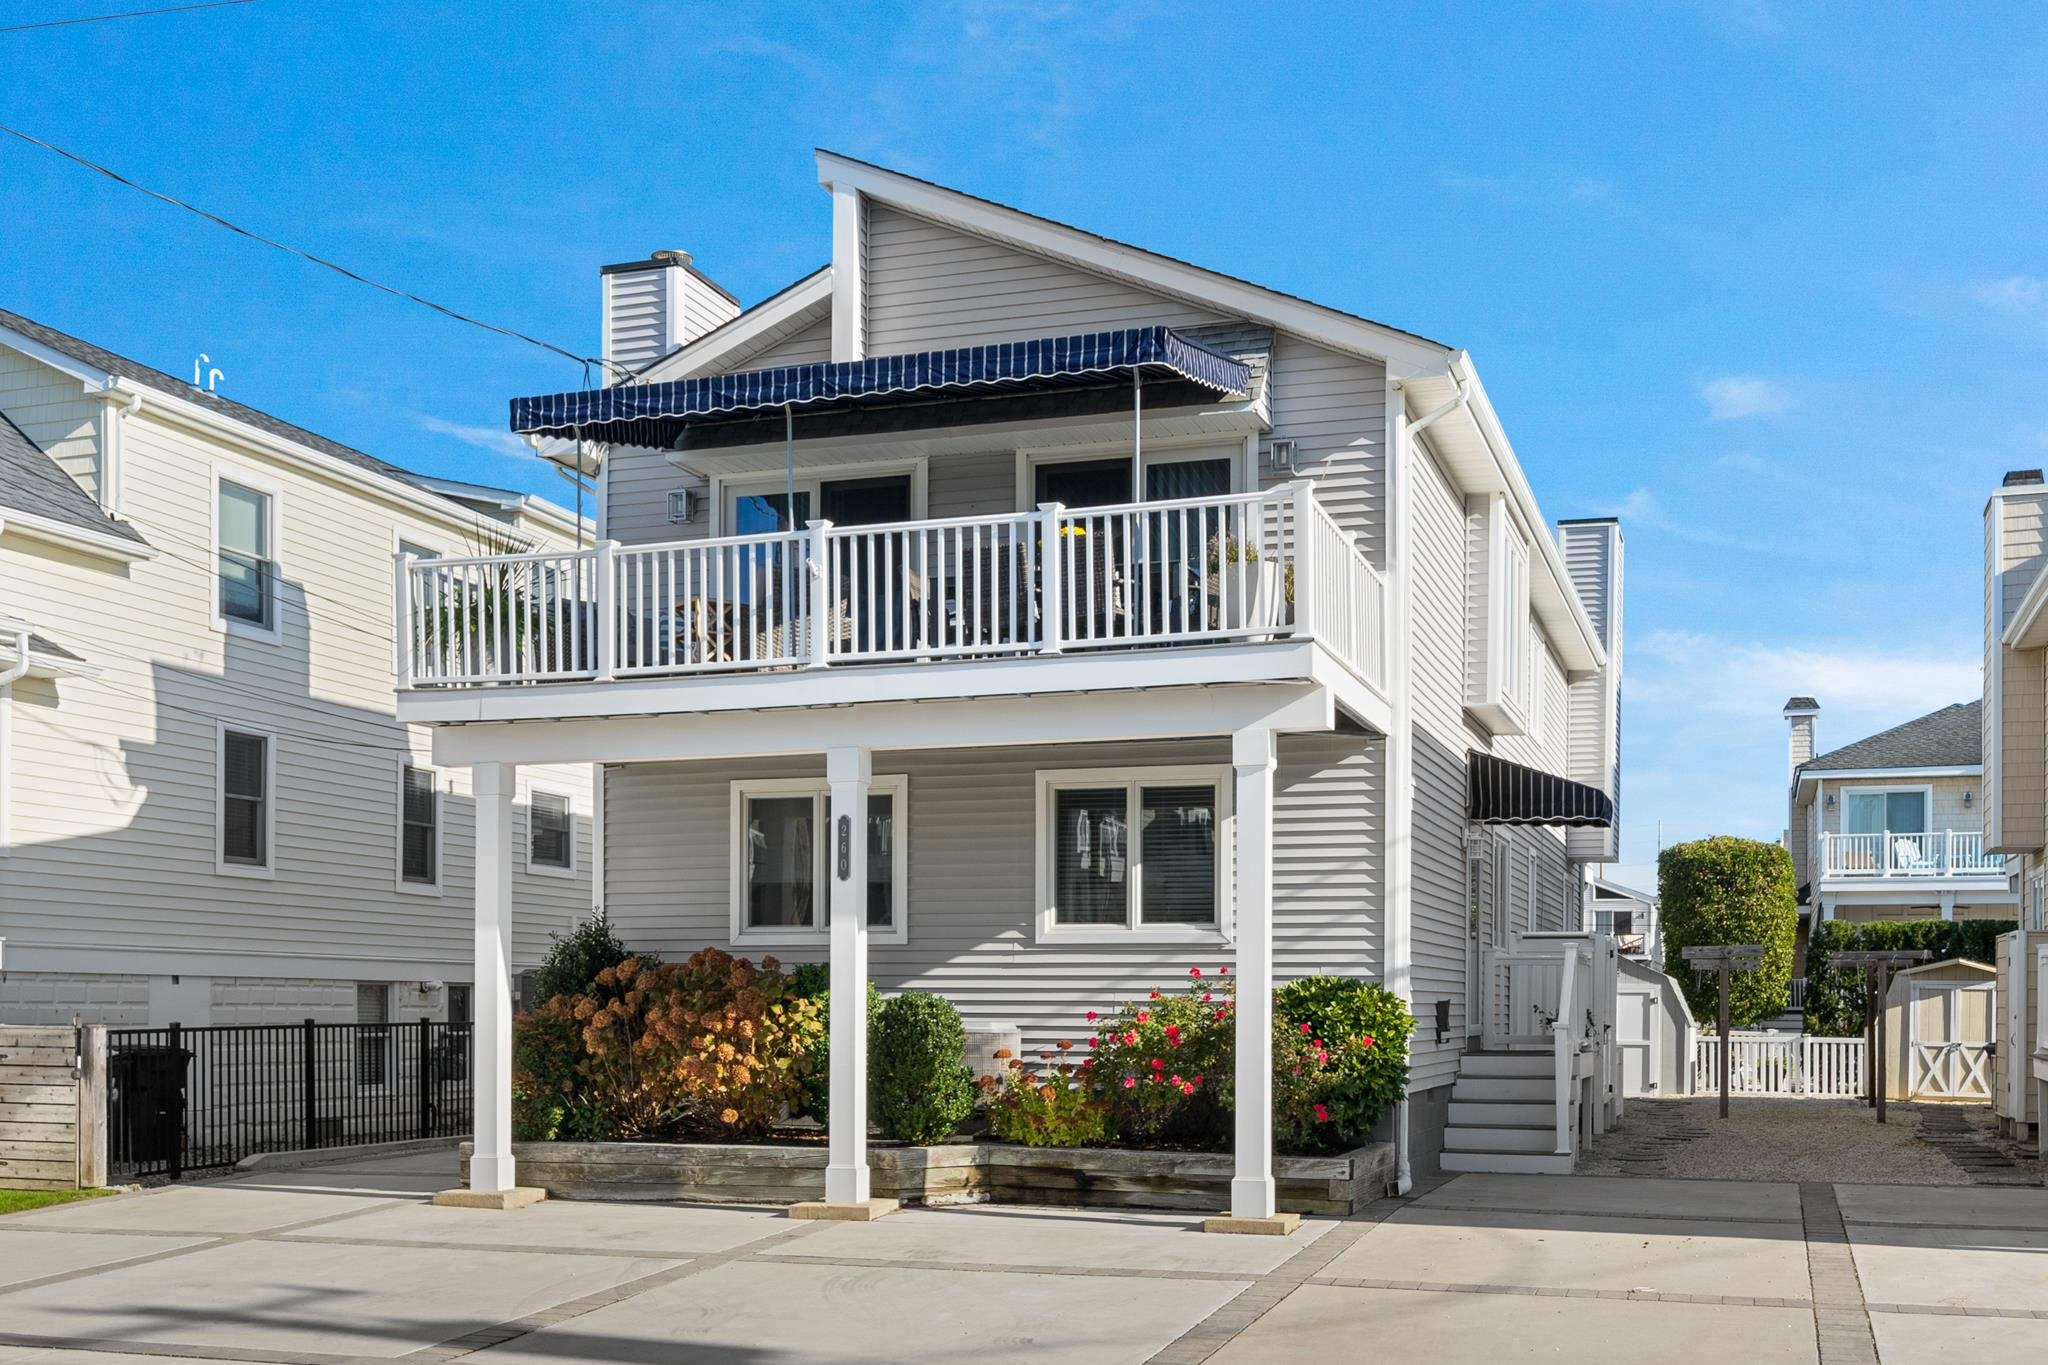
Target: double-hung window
[[245, 537], [551, 833], [1133, 853], [781, 867], [419, 828], [245, 776]]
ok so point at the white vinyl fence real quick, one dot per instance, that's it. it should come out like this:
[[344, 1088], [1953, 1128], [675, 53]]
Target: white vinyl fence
[[1781, 1064]]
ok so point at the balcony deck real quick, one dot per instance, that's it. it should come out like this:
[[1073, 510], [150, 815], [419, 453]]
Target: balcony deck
[[1244, 588], [1893, 858]]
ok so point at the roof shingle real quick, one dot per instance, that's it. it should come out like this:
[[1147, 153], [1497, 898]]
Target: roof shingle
[[32, 482], [1948, 738]]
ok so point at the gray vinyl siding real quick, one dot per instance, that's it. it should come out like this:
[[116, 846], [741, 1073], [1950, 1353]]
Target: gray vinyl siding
[[703, 309], [932, 286], [979, 485], [1334, 408], [52, 409], [637, 483], [114, 776], [972, 834], [810, 346], [639, 316]]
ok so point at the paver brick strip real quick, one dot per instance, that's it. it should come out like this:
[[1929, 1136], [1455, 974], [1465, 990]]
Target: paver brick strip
[[1841, 1319]]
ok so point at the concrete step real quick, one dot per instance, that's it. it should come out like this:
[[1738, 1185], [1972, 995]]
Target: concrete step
[[1504, 1089], [1508, 1163], [1508, 1064], [1493, 1114], [1535, 1138]]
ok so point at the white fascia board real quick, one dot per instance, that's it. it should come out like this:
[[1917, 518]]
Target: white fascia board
[[799, 305], [1021, 721], [73, 537], [2028, 628], [1807, 775], [95, 380], [1403, 354]]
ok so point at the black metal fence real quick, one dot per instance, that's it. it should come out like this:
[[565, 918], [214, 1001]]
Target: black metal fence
[[200, 1099]]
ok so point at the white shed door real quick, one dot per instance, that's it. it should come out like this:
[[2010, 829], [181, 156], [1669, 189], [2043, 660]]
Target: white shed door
[[1635, 1030]]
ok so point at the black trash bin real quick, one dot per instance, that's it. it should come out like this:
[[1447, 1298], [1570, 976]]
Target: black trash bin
[[149, 1102]]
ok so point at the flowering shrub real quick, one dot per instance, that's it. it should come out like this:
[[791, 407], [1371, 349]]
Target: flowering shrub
[[1161, 1061], [1056, 1106], [714, 1044], [1366, 1029]]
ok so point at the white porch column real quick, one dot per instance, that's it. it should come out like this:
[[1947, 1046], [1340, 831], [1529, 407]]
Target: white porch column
[[1948, 905], [1251, 1185], [490, 1165], [849, 771]]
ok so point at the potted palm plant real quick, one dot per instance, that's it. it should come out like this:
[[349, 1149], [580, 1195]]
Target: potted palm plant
[[1252, 593]]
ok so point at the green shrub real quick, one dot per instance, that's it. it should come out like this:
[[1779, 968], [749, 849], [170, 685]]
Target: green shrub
[[1834, 995], [816, 1101], [1164, 1063], [919, 1087], [575, 959], [1370, 1027], [1728, 890], [1058, 1107]]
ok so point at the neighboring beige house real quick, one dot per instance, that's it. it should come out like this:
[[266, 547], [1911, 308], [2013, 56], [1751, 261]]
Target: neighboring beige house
[[1023, 616], [209, 810], [1892, 826], [2015, 722]]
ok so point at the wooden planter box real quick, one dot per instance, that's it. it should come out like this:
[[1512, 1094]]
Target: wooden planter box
[[949, 1173]]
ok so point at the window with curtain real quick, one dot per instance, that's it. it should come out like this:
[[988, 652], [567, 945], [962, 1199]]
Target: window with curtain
[[245, 799], [243, 529], [783, 855], [1134, 854], [419, 826]]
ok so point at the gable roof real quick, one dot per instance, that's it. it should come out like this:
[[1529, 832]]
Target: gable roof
[[32, 482], [1948, 738], [100, 359]]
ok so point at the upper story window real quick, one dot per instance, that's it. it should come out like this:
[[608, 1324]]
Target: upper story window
[[1131, 854], [551, 830], [1885, 811], [1500, 638], [245, 535], [419, 827]]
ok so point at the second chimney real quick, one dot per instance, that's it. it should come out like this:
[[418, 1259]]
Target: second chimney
[[1804, 713], [654, 306]]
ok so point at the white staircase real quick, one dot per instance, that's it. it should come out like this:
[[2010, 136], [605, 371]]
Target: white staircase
[[1504, 1116]]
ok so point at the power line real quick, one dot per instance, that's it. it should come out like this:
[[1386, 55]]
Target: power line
[[321, 261], [126, 14]]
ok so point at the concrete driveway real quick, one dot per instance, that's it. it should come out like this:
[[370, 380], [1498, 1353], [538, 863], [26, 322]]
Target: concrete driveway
[[349, 1263]]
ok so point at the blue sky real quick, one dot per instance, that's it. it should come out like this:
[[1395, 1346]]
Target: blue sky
[[1768, 281]]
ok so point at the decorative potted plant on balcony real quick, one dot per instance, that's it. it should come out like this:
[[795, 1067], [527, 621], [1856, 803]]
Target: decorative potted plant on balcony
[[1251, 593]]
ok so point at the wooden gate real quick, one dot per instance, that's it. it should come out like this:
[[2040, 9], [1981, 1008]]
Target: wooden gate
[[1948, 1045], [53, 1107]]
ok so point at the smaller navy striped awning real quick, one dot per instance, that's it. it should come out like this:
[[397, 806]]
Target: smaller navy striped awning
[[655, 414], [1498, 792]]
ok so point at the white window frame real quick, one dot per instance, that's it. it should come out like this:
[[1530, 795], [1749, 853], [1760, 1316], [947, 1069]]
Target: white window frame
[[725, 487], [1165, 450], [1845, 792], [274, 491], [406, 886], [1050, 781], [268, 867], [895, 786], [569, 799]]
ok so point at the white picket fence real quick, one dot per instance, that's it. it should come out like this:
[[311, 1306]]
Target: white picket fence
[[1781, 1064]]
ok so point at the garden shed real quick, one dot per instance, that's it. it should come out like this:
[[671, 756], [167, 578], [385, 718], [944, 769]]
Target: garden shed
[[1940, 1020]]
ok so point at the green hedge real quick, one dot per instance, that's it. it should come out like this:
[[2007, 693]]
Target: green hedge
[[919, 1085], [1729, 890], [1834, 995]]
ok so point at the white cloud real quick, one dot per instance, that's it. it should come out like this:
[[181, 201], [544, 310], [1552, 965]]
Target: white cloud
[[2020, 296], [1736, 678], [494, 439], [1735, 396]]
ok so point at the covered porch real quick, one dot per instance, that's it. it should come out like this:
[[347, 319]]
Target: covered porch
[[1228, 737]]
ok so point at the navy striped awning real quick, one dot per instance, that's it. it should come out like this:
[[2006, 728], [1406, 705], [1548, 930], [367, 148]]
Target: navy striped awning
[[655, 414], [1498, 792]]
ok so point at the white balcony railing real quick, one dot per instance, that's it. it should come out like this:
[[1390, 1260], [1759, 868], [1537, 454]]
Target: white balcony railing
[[1246, 567], [1933, 853]]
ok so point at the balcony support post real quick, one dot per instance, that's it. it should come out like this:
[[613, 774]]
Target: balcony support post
[[607, 610], [1251, 1187], [822, 583], [1052, 568], [1304, 561], [849, 773], [490, 1162]]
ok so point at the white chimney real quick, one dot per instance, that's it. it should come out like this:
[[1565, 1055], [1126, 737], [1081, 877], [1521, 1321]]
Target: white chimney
[[654, 306], [1804, 714]]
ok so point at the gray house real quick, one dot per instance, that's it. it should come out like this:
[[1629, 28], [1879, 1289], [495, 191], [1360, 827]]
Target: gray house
[[1016, 614]]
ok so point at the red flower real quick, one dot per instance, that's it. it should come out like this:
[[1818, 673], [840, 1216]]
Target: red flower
[[1223, 971], [1194, 971], [1305, 1028], [1091, 1016], [1187, 1090], [1365, 1040], [1173, 1034], [1155, 995], [1322, 1114], [1158, 1065], [1129, 1082], [1220, 1013], [1206, 997], [1198, 1080], [1175, 1079], [1087, 1063], [1130, 1040], [1144, 1016], [1095, 1042]]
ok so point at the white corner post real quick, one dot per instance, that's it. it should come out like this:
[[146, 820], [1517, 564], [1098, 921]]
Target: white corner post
[[490, 1164], [849, 270], [849, 772], [1251, 1184]]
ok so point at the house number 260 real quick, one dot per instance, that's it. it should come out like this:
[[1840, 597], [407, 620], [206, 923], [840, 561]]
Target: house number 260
[[845, 847]]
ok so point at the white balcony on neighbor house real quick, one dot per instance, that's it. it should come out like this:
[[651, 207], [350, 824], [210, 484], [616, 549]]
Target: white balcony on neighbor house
[[1258, 581], [1923, 855]]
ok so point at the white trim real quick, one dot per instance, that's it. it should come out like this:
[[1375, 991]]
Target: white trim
[[849, 272], [221, 866], [1049, 781], [568, 798], [788, 312], [73, 537], [895, 786], [405, 885], [1403, 353], [809, 479], [273, 633], [1811, 774]]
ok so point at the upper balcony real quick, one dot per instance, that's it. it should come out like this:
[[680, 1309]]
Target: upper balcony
[[1266, 583], [1892, 856]]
